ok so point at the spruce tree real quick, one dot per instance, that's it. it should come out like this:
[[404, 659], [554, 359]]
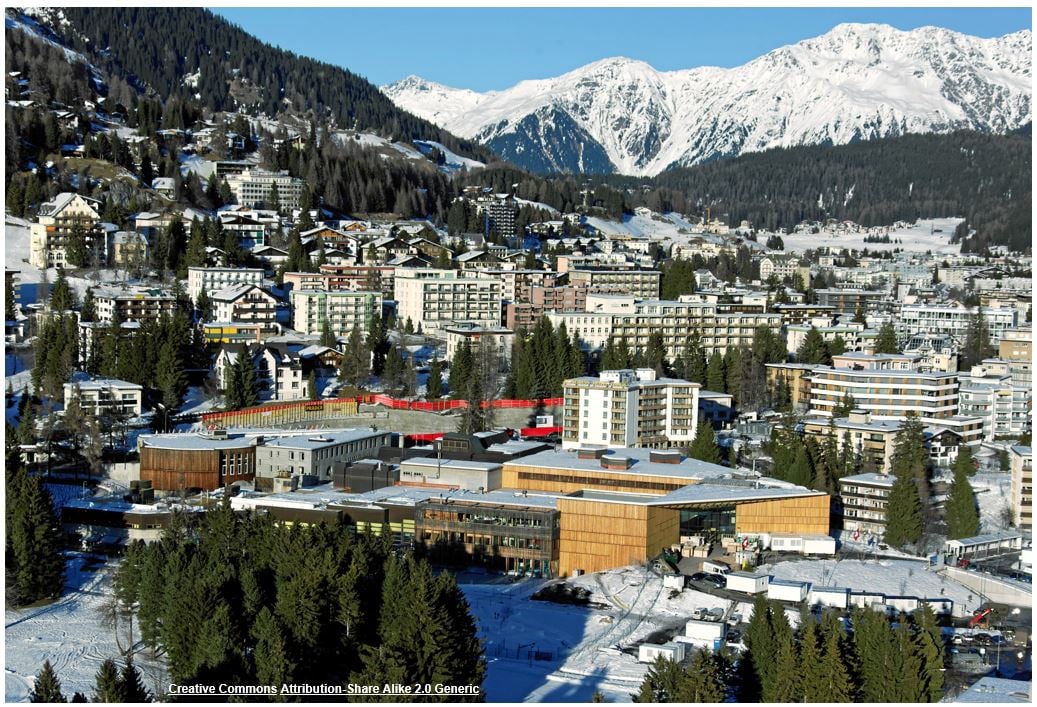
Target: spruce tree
[[132, 685], [703, 680], [47, 687], [784, 683], [873, 647], [814, 349], [977, 341], [903, 513], [61, 297], [846, 405], [461, 370], [715, 373], [273, 665], [10, 301], [886, 341], [965, 460], [960, 508], [836, 682], [34, 565], [801, 472], [434, 384], [327, 336], [704, 445], [929, 644], [311, 386], [88, 311]]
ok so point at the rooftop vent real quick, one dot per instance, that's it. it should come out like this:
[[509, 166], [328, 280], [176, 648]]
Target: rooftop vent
[[591, 452], [616, 462], [665, 456]]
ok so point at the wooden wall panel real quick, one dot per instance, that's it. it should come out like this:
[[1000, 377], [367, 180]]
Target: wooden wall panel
[[510, 479], [788, 515]]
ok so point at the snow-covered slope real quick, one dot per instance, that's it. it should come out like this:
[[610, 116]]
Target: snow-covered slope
[[856, 82]]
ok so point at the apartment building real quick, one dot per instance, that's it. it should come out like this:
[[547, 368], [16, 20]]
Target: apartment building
[[848, 300], [886, 385], [244, 303], [780, 266], [864, 498], [48, 237], [343, 309], [499, 211], [314, 455], [210, 279], [1016, 344], [252, 188], [953, 320], [475, 333], [433, 299], [855, 337], [366, 278], [524, 314], [517, 285], [643, 284], [630, 409], [1022, 486], [105, 396], [988, 392], [132, 305]]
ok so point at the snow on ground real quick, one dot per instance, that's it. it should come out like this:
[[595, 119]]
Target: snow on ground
[[196, 401], [578, 637], [537, 205], [890, 577], [69, 633], [668, 228], [993, 495], [452, 158], [193, 163], [30, 26], [926, 234]]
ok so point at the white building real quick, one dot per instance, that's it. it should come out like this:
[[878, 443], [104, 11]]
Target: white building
[[475, 333], [1022, 487], [210, 279], [253, 188], [106, 396], [343, 309], [48, 237], [988, 392], [629, 409], [433, 298], [244, 303], [314, 455], [953, 320]]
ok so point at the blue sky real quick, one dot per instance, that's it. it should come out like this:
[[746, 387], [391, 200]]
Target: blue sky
[[483, 49]]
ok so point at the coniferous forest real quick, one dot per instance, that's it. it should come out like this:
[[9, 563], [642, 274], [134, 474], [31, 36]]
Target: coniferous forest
[[243, 600]]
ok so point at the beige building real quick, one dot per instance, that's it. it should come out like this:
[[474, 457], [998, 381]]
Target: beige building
[[343, 309], [1016, 345], [252, 188], [132, 305], [475, 334], [433, 299], [210, 279], [629, 409], [244, 303], [639, 283], [48, 237], [1022, 487]]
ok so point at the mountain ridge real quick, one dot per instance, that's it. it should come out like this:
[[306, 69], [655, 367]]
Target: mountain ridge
[[855, 82]]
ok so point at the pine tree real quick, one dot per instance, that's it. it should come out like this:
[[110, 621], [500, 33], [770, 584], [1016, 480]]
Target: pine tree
[[356, 360], [88, 312], [886, 342], [784, 683], [704, 445], [461, 369], [392, 375], [813, 685], [473, 417], [10, 301], [204, 307], [655, 354], [327, 336], [960, 508], [246, 377], [434, 384], [273, 664], [703, 680], [76, 251], [977, 341], [35, 567], [814, 349], [903, 513], [715, 373], [801, 472], [61, 297], [170, 378], [846, 405], [930, 647], [132, 685], [47, 687], [311, 386], [664, 682], [965, 460], [858, 316], [837, 685]]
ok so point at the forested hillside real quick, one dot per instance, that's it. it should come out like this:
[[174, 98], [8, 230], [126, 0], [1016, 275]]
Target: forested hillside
[[191, 55]]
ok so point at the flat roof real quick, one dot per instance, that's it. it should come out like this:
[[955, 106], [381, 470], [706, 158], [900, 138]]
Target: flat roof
[[323, 439], [327, 495], [639, 499], [567, 459], [194, 441], [984, 539], [729, 493], [450, 463], [878, 479]]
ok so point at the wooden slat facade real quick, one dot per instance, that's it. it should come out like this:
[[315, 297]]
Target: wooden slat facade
[[809, 514], [532, 478], [598, 535], [205, 469]]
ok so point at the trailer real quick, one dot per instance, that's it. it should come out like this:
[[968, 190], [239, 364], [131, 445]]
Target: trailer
[[747, 582], [786, 590], [705, 630], [803, 544], [674, 581], [837, 597], [648, 652], [868, 600], [895, 605]]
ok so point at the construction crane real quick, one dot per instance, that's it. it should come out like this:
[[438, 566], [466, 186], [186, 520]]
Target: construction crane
[[980, 618]]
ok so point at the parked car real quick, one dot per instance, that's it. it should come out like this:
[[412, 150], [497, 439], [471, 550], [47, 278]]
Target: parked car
[[698, 576], [733, 636], [717, 580]]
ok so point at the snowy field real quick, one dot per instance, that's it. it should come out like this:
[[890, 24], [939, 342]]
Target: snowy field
[[669, 228], [70, 633], [926, 234], [993, 495]]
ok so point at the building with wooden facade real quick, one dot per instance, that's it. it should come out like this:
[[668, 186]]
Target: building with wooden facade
[[185, 462]]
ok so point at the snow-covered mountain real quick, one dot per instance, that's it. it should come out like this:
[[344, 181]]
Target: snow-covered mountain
[[857, 82]]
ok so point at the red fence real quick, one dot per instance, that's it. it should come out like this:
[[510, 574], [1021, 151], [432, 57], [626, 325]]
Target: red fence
[[441, 405], [540, 431]]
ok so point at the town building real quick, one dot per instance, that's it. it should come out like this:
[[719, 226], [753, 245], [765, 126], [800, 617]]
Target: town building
[[499, 338], [849, 300], [129, 249], [253, 187], [48, 237], [499, 211], [433, 299], [1021, 459], [195, 461], [628, 408], [988, 392], [306, 460], [953, 320], [132, 304], [103, 397], [643, 284], [210, 279], [244, 303], [864, 498], [344, 310], [780, 266]]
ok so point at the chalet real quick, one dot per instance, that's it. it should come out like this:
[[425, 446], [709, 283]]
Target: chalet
[[244, 303], [408, 261], [425, 248], [49, 235], [387, 248], [250, 231], [346, 243], [166, 186], [477, 260]]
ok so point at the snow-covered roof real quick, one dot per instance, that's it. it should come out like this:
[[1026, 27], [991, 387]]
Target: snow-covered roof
[[723, 493], [568, 459], [999, 690]]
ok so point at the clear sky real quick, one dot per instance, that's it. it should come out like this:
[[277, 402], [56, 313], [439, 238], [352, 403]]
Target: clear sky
[[484, 48]]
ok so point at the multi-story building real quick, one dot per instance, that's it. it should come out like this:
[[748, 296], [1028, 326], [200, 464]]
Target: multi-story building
[[132, 305], [643, 284], [518, 285], [854, 336], [1016, 344], [366, 278], [885, 385], [314, 455], [847, 300], [48, 237], [475, 333], [499, 211], [988, 392], [343, 310], [433, 298], [780, 266], [1022, 487], [541, 300], [249, 230], [210, 279], [864, 498], [953, 320], [105, 396], [253, 187], [205, 462], [629, 409], [244, 303]]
